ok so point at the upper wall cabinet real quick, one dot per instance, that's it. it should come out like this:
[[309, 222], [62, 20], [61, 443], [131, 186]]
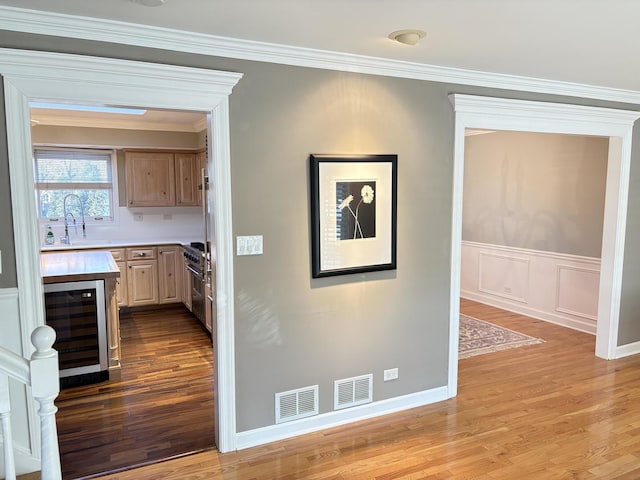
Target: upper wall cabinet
[[187, 179], [163, 179]]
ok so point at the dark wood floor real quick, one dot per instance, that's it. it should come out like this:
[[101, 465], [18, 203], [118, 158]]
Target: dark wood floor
[[546, 411], [161, 407]]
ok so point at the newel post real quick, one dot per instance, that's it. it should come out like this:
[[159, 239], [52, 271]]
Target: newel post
[[45, 386], [5, 418]]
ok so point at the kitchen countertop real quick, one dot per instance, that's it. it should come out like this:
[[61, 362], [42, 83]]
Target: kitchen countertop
[[77, 266], [93, 244]]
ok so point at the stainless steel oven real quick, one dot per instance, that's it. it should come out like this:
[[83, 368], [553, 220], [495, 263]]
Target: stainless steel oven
[[195, 265]]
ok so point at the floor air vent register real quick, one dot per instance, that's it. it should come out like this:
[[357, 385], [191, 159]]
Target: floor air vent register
[[303, 402], [350, 392], [296, 404]]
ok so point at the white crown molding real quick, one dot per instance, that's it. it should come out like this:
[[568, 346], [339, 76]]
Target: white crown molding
[[70, 26]]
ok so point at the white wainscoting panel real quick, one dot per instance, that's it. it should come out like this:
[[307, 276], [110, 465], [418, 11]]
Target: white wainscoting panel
[[10, 338], [504, 275], [555, 287], [578, 291]]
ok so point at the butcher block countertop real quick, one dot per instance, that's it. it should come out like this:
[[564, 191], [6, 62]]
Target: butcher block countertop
[[77, 266]]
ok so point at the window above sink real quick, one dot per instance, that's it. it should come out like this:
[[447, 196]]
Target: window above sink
[[88, 173]]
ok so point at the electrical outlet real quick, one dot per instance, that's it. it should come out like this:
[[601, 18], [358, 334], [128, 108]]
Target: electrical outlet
[[138, 217], [167, 216], [390, 374]]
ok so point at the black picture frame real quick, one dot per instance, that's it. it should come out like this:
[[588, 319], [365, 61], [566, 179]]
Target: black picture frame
[[353, 213]]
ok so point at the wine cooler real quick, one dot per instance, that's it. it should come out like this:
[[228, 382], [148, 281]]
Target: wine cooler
[[76, 311]]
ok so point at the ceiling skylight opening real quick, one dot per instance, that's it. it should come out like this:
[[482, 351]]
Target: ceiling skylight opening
[[88, 108]]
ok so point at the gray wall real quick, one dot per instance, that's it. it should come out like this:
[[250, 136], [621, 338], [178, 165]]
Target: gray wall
[[535, 190], [629, 328], [341, 327], [292, 331], [7, 246]]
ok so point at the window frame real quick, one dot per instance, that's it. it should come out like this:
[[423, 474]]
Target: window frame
[[89, 220]]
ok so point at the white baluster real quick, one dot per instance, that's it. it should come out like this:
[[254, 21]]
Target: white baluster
[[45, 386], [5, 417]]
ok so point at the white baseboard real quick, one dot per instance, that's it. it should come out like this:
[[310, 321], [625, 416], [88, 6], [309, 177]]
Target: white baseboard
[[530, 312], [272, 433], [627, 350]]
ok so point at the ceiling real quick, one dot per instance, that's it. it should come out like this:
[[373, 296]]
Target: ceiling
[[590, 42], [161, 120]]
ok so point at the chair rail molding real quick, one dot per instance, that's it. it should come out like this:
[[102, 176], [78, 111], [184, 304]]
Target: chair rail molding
[[478, 112], [102, 81]]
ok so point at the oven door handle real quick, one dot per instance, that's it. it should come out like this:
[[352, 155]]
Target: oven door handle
[[195, 272]]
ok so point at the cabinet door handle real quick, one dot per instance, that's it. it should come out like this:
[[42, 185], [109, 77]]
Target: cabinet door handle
[[142, 254]]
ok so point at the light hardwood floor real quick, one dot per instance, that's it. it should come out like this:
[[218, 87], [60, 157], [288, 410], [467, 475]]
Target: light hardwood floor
[[161, 407], [547, 411]]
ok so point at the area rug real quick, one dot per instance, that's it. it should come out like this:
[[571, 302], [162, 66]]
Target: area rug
[[478, 337]]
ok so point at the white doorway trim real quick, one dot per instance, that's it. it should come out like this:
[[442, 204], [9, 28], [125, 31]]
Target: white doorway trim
[[101, 81], [527, 116]]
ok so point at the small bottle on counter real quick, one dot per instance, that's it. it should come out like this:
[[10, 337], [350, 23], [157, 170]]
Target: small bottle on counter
[[49, 237]]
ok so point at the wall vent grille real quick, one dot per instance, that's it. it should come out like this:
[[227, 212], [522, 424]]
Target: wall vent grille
[[295, 404], [350, 392]]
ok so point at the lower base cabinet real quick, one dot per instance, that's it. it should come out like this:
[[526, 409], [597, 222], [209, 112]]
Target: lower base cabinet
[[149, 275], [142, 282], [170, 274]]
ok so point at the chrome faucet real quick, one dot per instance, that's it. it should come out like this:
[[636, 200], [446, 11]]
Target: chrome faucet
[[66, 239], [66, 215]]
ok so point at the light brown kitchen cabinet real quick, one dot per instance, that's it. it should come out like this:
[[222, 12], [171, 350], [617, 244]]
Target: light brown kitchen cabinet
[[122, 287], [150, 179], [118, 255], [187, 179], [163, 178], [142, 276], [170, 274], [151, 275]]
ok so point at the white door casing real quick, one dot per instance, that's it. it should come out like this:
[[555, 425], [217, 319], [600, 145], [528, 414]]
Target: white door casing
[[528, 116], [64, 78]]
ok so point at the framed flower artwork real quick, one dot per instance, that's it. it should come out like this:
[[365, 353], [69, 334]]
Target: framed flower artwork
[[353, 213]]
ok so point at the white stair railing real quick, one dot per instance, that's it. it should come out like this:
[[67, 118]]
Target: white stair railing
[[41, 373]]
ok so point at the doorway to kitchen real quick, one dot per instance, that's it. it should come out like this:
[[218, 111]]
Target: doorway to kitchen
[[96, 81], [166, 362]]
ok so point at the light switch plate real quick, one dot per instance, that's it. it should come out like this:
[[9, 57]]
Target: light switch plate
[[249, 245]]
